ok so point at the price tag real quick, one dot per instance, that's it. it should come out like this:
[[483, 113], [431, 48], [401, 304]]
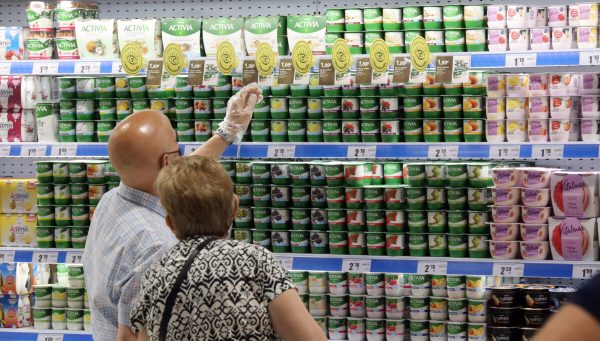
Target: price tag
[[50, 257], [117, 68], [45, 68], [356, 265], [358, 152], [281, 152], [5, 68], [586, 271], [33, 151], [442, 152], [190, 148], [521, 60], [432, 268], [7, 257], [74, 258], [505, 152], [286, 262], [589, 58], [4, 151], [63, 150], [155, 72], [547, 151], [50, 337], [87, 68], [509, 269]]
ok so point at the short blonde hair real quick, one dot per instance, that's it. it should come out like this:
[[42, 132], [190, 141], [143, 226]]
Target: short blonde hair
[[197, 194]]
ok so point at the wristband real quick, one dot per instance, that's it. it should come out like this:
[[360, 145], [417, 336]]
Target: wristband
[[226, 136]]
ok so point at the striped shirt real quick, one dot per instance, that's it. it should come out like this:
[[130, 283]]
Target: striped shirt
[[128, 233]]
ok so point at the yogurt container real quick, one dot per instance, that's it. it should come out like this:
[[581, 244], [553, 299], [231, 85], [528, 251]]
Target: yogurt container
[[432, 17], [539, 38], [495, 130], [516, 16], [518, 39], [590, 84], [583, 14], [474, 16], [590, 130], [496, 16], [560, 130], [562, 38], [537, 129], [586, 37], [517, 85], [539, 108], [516, 131], [537, 16], [557, 16], [517, 108], [497, 40]]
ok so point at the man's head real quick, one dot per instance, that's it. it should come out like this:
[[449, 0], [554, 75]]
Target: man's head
[[197, 194], [140, 146]]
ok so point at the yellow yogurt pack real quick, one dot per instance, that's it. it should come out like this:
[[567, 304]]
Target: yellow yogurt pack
[[18, 196], [18, 230]]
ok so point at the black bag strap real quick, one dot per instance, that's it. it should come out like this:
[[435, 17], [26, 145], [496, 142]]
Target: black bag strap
[[170, 302]]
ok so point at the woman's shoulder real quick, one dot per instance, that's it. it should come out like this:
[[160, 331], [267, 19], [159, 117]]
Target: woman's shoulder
[[244, 248]]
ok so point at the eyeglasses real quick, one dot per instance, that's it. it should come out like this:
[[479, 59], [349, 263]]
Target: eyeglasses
[[178, 152]]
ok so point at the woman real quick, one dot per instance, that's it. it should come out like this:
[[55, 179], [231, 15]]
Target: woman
[[230, 290]]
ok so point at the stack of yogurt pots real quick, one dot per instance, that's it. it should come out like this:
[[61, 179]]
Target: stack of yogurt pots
[[573, 227], [451, 197], [555, 107], [521, 211], [517, 312], [68, 192], [63, 305], [560, 27]]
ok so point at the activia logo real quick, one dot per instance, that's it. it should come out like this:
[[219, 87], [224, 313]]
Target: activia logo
[[136, 28], [262, 25], [410, 12], [66, 44], [306, 24], [6, 125], [94, 28], [221, 27], [371, 13], [36, 45], [19, 229], [181, 27]]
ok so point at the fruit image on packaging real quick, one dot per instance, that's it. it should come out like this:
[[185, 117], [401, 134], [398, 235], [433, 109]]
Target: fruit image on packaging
[[18, 230], [18, 196]]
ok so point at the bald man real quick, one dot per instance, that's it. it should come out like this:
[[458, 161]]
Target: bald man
[[128, 231]]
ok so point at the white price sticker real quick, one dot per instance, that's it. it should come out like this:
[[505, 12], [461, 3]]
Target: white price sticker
[[508, 269], [87, 68], [358, 152], [432, 268], [74, 258], [7, 257], [286, 262], [504, 152], [356, 265], [4, 151], [442, 152], [5, 68], [589, 58], [190, 148], [547, 151], [586, 271], [50, 257], [33, 151], [281, 152], [50, 337], [521, 60], [63, 150], [45, 68], [117, 68]]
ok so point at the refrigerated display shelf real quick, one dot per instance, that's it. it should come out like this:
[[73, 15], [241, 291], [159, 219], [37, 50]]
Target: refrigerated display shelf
[[433, 151], [39, 255], [479, 60], [31, 334]]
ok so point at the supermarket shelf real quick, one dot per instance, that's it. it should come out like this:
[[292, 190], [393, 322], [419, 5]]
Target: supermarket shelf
[[442, 151], [31, 334], [479, 60], [38, 255], [451, 266]]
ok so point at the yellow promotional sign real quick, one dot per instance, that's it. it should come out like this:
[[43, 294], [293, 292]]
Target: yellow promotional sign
[[380, 56], [340, 56], [302, 57], [226, 58], [419, 54], [173, 59], [265, 60], [132, 59]]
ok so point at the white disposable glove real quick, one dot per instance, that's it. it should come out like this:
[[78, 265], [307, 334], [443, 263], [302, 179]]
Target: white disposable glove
[[239, 113]]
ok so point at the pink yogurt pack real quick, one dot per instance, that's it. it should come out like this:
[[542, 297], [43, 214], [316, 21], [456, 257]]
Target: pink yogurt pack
[[590, 84], [516, 16], [538, 130], [539, 108], [583, 15], [498, 40], [562, 38], [557, 16], [564, 84], [590, 130], [496, 85], [495, 109], [539, 38], [496, 16], [573, 194], [518, 39], [537, 16], [586, 37], [590, 106]]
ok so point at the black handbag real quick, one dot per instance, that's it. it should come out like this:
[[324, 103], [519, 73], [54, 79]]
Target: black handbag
[[170, 302]]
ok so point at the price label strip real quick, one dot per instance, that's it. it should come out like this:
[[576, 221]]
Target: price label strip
[[63, 150], [521, 60], [45, 68], [504, 152], [4, 151], [50, 257], [117, 68], [432, 268], [509, 269], [361, 152], [5, 68], [33, 151], [50, 337], [585, 271], [356, 265], [87, 68], [7, 257], [442, 152], [547, 151], [281, 152], [190, 148], [74, 258], [591, 58], [286, 262]]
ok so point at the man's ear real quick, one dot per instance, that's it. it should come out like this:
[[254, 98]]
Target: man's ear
[[169, 222], [236, 206]]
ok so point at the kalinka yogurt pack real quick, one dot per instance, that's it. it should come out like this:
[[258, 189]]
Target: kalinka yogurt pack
[[551, 211]]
